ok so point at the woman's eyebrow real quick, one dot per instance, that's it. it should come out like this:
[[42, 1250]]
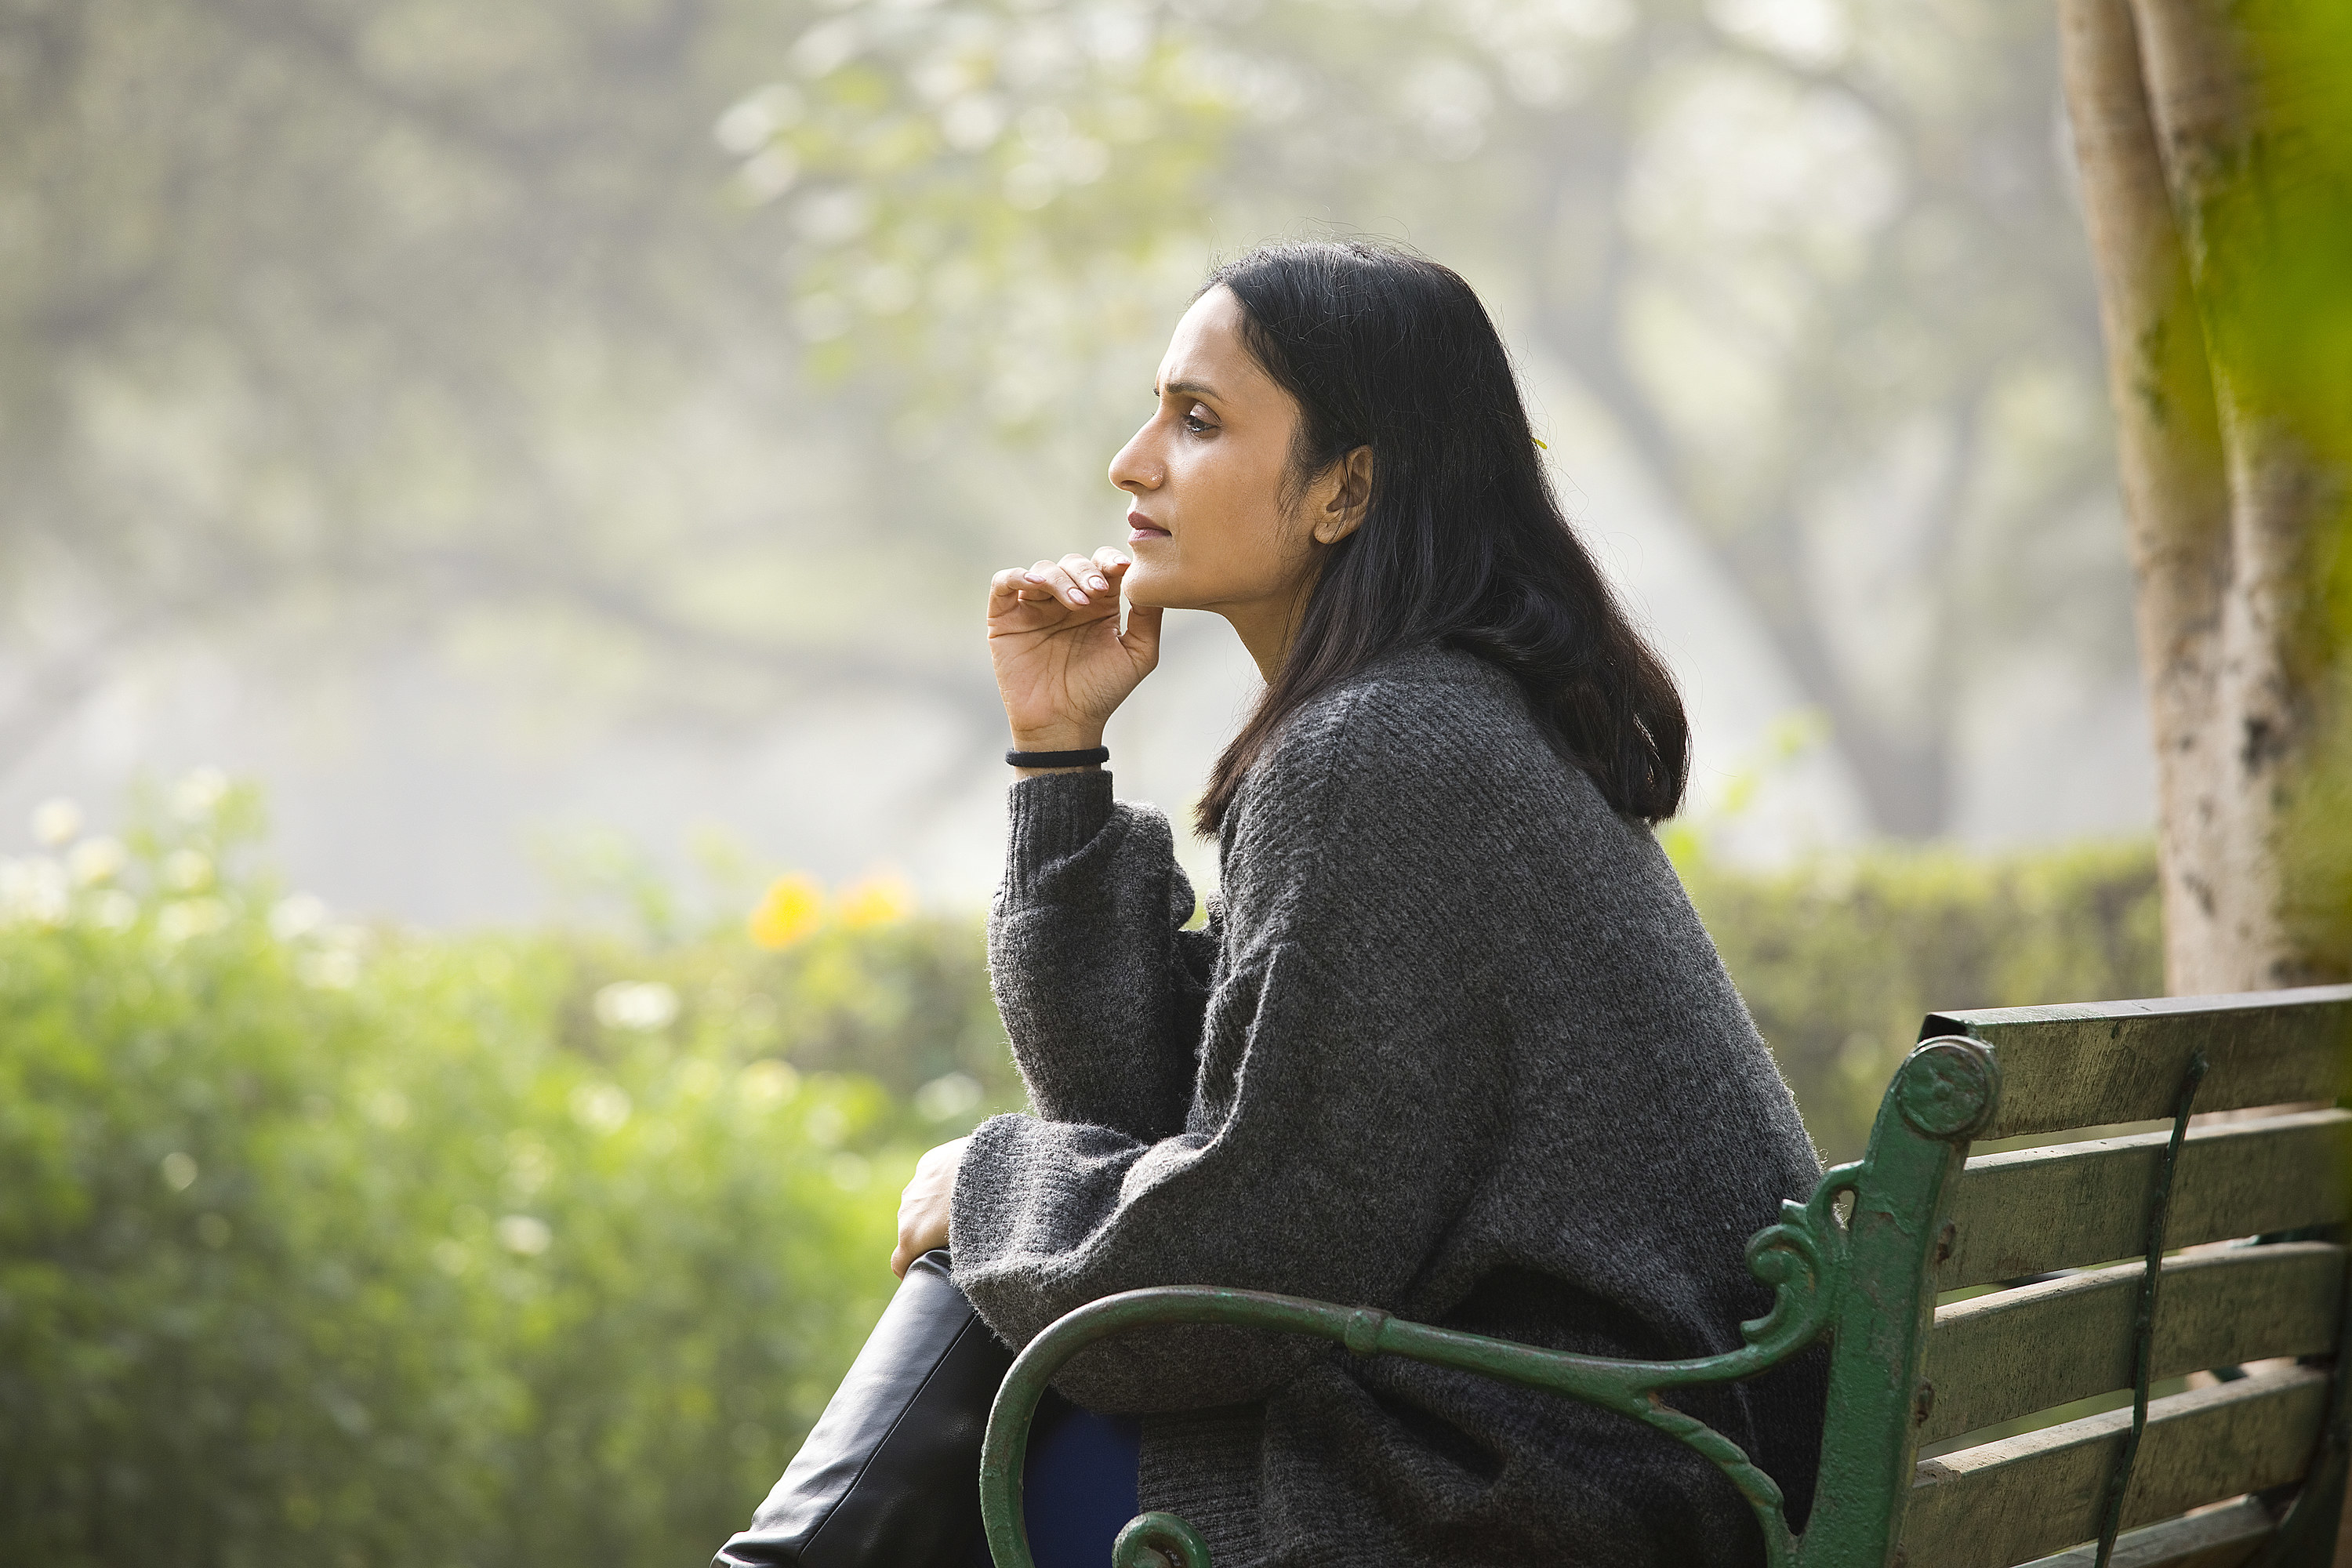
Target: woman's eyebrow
[[1193, 388]]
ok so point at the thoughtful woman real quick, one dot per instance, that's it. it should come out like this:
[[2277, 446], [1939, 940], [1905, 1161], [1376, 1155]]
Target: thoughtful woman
[[1451, 1042]]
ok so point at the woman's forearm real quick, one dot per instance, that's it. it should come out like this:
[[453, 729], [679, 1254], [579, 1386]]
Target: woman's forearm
[[1100, 996]]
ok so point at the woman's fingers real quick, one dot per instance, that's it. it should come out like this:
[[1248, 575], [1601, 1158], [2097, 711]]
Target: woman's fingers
[[924, 1207], [1007, 588], [1076, 580], [908, 1249], [1046, 575], [1057, 584], [1026, 599], [1080, 582], [921, 1228], [1142, 635]]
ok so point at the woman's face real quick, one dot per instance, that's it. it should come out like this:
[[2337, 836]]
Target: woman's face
[[1207, 525]]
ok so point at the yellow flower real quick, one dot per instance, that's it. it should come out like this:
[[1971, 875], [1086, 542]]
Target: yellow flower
[[792, 907], [877, 901]]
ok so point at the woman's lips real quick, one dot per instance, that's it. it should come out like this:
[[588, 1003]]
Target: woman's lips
[[1139, 526]]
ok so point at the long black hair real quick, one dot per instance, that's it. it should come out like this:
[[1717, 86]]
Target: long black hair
[[1462, 542]]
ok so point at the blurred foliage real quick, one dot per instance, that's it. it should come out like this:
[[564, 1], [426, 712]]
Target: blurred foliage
[[1840, 957], [334, 1245]]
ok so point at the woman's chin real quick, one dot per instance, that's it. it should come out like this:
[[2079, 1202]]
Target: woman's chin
[[1151, 589]]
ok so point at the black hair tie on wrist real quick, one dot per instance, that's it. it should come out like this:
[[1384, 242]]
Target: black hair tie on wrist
[[1085, 759]]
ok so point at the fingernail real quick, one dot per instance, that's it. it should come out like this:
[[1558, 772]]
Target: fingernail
[[1077, 598], [1097, 582]]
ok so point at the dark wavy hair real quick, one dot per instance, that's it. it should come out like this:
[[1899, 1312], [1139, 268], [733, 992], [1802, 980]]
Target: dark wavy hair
[[1462, 542]]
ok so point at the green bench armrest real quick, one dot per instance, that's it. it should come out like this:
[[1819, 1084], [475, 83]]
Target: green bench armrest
[[1801, 1256]]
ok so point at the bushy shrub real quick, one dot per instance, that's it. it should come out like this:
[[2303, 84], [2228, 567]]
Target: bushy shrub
[[336, 1246], [323, 1245], [1840, 957]]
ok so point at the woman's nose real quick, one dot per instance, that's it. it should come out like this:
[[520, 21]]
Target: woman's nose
[[1133, 470]]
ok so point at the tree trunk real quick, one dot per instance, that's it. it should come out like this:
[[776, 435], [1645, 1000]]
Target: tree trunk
[[2185, 129], [2168, 448]]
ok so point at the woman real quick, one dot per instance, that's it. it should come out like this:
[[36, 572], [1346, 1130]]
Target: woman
[[1452, 1043]]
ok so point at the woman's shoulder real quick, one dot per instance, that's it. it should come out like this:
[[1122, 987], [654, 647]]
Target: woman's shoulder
[[1421, 702], [1428, 686], [1417, 786], [1425, 733]]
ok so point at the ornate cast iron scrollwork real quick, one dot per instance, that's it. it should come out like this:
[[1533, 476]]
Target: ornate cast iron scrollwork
[[1947, 1087], [1802, 1258], [1158, 1540]]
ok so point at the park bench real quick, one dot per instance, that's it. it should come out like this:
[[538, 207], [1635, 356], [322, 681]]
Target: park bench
[[2105, 1261]]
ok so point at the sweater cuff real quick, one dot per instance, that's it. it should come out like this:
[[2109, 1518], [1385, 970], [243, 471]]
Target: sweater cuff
[[1054, 815], [974, 1228]]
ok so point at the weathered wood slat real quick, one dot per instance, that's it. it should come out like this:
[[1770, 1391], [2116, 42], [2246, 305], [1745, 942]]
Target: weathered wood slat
[[2033, 1210], [2022, 1498], [2090, 1065], [1995, 1358], [2226, 1538]]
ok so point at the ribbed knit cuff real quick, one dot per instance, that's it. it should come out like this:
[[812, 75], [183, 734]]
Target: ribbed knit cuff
[[970, 1215], [1205, 1467], [1054, 815]]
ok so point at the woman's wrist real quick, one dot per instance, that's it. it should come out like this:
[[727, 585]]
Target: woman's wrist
[[1056, 743], [1063, 737]]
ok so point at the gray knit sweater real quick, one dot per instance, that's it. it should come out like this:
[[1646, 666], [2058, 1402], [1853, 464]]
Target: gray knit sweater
[[1454, 1045]]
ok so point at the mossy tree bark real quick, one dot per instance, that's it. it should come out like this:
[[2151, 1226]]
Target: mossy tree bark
[[2219, 198]]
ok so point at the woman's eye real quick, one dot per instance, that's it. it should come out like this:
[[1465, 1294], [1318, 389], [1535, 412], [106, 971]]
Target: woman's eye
[[1196, 425]]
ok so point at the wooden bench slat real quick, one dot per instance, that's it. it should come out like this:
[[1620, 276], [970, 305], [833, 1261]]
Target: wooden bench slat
[[2226, 1538], [1995, 1358], [2033, 1210], [2022, 1497], [2092, 1065]]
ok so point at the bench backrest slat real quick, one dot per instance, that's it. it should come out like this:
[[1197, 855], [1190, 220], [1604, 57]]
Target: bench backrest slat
[[2226, 1537], [2023, 1213], [2093, 1065], [2022, 1497], [1925, 1217], [1995, 1358]]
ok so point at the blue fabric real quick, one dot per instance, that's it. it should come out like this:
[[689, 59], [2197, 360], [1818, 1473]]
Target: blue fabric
[[1078, 1484]]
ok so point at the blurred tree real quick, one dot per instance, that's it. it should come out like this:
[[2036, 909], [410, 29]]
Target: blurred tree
[[325, 321], [2217, 163]]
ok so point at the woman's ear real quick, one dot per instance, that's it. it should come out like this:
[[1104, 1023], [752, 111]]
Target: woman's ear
[[1343, 512]]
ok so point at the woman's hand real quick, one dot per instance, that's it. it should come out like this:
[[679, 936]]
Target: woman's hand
[[923, 1207], [1062, 665]]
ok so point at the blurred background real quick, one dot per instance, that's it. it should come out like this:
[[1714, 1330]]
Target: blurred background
[[495, 426], [498, 764]]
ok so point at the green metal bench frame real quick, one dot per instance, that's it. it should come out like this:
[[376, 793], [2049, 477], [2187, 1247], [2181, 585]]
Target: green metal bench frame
[[1866, 1281]]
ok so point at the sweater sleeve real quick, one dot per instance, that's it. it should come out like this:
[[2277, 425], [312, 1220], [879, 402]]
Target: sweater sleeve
[[1342, 1113], [1100, 989]]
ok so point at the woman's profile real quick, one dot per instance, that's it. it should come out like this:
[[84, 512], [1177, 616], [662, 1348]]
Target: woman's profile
[[1451, 1042]]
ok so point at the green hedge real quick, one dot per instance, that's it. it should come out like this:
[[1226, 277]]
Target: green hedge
[[346, 1247], [1840, 958], [325, 1245]]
